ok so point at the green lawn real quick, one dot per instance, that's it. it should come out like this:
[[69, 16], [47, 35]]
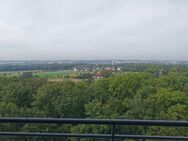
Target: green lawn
[[53, 74]]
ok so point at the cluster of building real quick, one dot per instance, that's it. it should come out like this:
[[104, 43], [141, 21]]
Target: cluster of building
[[96, 72], [85, 69], [112, 68]]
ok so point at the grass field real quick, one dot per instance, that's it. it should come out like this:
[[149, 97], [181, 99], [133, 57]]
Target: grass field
[[40, 74], [61, 75], [53, 74]]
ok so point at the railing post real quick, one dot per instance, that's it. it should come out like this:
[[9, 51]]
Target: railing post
[[113, 131]]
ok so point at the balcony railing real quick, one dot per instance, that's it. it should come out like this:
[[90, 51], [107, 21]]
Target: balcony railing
[[112, 122]]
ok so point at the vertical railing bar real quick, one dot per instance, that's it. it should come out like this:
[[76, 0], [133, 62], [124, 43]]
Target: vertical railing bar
[[113, 131]]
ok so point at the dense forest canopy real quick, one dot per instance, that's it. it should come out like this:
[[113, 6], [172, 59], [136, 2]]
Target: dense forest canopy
[[138, 94]]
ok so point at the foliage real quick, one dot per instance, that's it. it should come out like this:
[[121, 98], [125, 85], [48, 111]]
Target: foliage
[[136, 95]]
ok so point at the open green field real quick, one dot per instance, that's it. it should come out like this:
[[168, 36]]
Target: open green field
[[60, 75], [40, 74], [53, 74]]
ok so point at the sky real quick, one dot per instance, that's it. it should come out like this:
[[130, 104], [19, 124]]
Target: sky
[[93, 29]]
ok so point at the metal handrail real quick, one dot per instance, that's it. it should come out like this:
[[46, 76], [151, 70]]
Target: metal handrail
[[112, 122], [96, 121]]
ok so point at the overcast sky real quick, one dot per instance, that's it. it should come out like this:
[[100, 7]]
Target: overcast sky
[[93, 29]]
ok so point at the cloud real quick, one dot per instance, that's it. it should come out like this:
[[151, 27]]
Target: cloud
[[87, 29]]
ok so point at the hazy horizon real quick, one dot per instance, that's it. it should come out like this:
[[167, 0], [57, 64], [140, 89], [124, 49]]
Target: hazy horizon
[[93, 30], [27, 60]]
